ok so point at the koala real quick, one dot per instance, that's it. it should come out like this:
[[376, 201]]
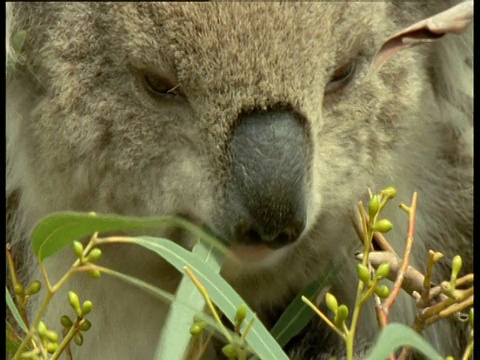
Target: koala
[[260, 121]]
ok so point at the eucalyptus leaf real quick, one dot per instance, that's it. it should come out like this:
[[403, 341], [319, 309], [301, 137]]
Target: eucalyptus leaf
[[221, 293], [58, 230], [297, 315], [396, 335], [175, 337], [13, 309]]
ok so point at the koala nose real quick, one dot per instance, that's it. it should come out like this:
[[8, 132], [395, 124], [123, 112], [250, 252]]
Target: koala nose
[[267, 178]]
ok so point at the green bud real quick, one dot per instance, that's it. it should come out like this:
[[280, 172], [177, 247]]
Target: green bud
[[470, 316], [95, 274], [94, 255], [87, 307], [33, 288], [382, 226], [449, 358], [389, 192], [340, 316], [382, 271], [241, 314], [42, 329], [92, 213], [331, 302], [52, 336], [373, 206], [78, 339], [196, 329], [382, 291], [78, 248], [66, 321], [363, 274], [75, 303], [456, 266], [85, 325], [52, 347], [230, 351], [342, 311], [18, 289]]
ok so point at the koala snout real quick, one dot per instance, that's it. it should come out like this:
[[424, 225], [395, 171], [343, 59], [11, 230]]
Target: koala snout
[[266, 183]]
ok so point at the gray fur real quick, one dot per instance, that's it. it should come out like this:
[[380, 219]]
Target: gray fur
[[83, 134]]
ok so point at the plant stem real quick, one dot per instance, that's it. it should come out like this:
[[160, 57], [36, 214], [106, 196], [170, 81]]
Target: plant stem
[[66, 340], [204, 292], [324, 318]]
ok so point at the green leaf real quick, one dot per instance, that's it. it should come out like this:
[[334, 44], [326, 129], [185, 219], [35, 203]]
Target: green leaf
[[58, 230], [12, 341], [297, 315], [396, 335], [221, 293], [13, 308], [153, 290], [175, 338]]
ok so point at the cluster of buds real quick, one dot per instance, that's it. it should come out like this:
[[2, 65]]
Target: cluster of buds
[[87, 257], [381, 273], [80, 324], [340, 312]]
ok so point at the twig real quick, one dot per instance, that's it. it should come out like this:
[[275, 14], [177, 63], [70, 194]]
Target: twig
[[324, 318], [384, 309], [205, 295]]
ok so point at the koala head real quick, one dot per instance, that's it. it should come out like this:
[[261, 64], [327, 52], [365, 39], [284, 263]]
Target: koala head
[[259, 120]]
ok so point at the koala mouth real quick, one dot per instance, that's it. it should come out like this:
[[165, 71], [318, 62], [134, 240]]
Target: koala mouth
[[249, 250], [260, 255]]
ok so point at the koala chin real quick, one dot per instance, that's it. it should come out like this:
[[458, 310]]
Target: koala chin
[[260, 120]]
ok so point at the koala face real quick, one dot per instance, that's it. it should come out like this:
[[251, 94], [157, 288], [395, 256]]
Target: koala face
[[252, 127], [259, 120]]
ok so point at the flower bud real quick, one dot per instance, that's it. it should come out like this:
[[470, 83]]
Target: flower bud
[[52, 336], [94, 255], [95, 274], [78, 248], [196, 329], [52, 347], [331, 302], [389, 192], [75, 303], [382, 271], [382, 291], [373, 206], [230, 351], [33, 288], [456, 267], [241, 314], [85, 325], [382, 226], [363, 274], [66, 321], [341, 316], [42, 328], [18, 289], [78, 338], [87, 307]]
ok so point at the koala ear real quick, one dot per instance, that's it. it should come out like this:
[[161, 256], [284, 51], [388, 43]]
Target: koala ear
[[454, 20]]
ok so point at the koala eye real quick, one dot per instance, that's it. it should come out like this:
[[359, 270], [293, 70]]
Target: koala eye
[[340, 78], [160, 86]]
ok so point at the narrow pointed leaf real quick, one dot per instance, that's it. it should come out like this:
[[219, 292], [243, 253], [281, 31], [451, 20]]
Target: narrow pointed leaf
[[396, 335]]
